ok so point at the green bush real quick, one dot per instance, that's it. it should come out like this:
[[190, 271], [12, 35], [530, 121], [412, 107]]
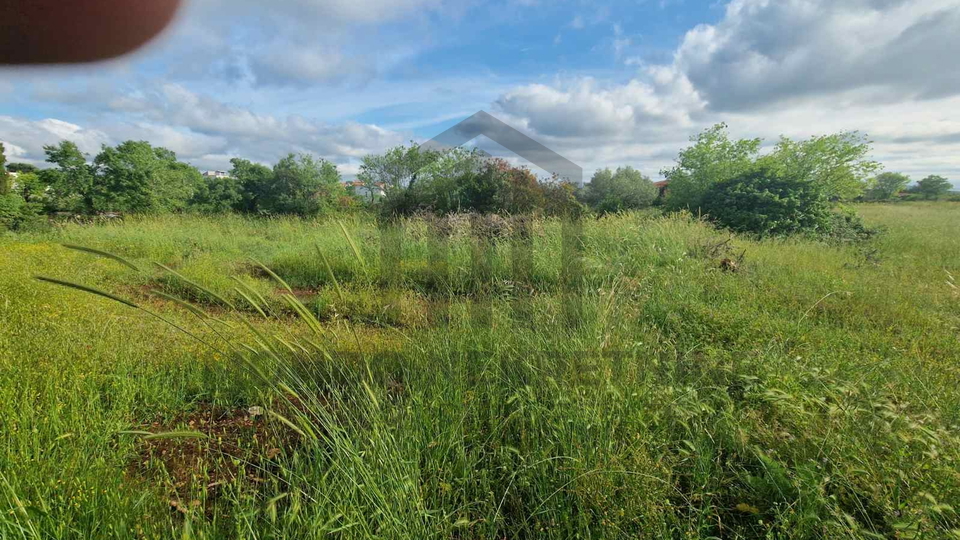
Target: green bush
[[847, 226], [491, 187], [767, 202], [17, 214], [10, 208]]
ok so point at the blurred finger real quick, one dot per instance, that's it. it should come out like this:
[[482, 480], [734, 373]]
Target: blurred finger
[[57, 31]]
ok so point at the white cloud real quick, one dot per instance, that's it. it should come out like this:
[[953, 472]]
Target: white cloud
[[796, 67], [203, 131], [584, 109], [28, 137], [765, 51]]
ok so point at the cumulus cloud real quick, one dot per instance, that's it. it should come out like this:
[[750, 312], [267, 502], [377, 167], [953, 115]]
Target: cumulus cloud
[[298, 42], [24, 139], [793, 67], [202, 130], [584, 108], [766, 51], [287, 63]]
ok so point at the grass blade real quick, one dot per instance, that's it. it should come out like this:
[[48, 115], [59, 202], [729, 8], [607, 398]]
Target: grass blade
[[333, 276], [276, 278], [353, 245], [196, 285], [176, 435], [86, 289], [103, 254]]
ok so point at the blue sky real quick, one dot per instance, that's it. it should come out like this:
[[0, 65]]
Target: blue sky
[[620, 82]]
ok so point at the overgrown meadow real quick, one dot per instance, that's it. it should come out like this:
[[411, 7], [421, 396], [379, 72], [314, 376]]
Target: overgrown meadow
[[292, 378]]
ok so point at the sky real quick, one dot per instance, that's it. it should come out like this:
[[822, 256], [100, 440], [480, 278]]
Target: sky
[[605, 84]]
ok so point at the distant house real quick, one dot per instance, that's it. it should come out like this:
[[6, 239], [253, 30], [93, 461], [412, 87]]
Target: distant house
[[216, 174], [661, 187], [361, 189], [13, 179]]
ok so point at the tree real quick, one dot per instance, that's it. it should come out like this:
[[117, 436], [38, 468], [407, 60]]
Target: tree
[[30, 187], [712, 158], [887, 185], [217, 194], [767, 201], [136, 177], [934, 186], [15, 212], [395, 169], [72, 182], [837, 164], [303, 185], [254, 180], [21, 168], [416, 179], [625, 189], [175, 184], [11, 208], [4, 177], [522, 192]]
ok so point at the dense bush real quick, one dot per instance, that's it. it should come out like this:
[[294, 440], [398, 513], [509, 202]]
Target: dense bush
[[766, 201], [846, 226]]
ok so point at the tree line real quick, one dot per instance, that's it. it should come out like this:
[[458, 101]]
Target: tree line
[[796, 186]]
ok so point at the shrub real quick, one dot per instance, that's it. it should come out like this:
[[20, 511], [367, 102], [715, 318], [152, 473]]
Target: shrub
[[847, 226], [17, 214], [493, 186], [765, 201], [10, 208]]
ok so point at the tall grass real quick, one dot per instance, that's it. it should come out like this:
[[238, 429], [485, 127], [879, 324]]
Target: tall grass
[[811, 394]]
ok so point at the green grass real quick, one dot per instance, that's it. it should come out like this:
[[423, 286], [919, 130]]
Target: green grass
[[810, 394]]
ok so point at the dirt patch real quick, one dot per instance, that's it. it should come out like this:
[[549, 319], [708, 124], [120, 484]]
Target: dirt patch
[[215, 447]]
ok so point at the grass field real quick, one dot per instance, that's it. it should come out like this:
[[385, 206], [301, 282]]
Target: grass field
[[811, 392]]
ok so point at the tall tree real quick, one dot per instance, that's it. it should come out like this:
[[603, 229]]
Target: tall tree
[[254, 180], [934, 186], [714, 157], [303, 185], [136, 177], [397, 168], [887, 185], [73, 180]]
